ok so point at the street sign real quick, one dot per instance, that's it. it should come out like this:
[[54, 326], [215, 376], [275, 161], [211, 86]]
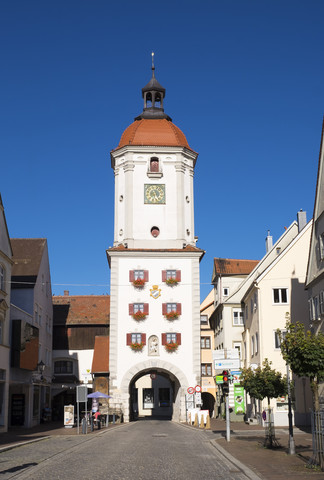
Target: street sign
[[219, 379], [191, 390], [81, 393], [198, 398], [227, 364], [228, 353], [198, 388]]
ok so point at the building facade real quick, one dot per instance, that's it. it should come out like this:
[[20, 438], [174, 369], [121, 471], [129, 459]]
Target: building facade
[[275, 296], [80, 346], [208, 386], [31, 316], [5, 277], [155, 296]]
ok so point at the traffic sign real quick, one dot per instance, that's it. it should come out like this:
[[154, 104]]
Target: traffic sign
[[198, 388], [228, 363], [191, 390]]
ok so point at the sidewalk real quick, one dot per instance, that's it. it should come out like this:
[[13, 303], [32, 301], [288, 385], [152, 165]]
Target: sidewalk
[[246, 445], [20, 435]]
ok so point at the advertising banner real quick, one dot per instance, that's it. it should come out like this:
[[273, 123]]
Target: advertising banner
[[68, 415], [239, 406]]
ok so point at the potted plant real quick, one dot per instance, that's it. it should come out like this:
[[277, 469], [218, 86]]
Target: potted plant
[[172, 315], [139, 282], [171, 282], [171, 347], [139, 315], [137, 347]]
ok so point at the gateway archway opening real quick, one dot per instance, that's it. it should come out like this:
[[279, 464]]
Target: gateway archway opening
[[153, 395]]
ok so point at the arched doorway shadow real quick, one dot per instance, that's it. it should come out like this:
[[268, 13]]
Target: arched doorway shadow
[[156, 390], [208, 402]]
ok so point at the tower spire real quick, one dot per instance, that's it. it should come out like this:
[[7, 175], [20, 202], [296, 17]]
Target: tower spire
[[153, 94]]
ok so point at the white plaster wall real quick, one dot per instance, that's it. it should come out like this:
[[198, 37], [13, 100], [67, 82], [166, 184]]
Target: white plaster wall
[[134, 219], [155, 323], [289, 271], [82, 359]]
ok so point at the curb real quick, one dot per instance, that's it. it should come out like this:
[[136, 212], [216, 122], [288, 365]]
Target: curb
[[246, 470]]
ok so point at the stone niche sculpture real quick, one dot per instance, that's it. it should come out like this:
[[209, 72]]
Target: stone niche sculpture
[[153, 345]]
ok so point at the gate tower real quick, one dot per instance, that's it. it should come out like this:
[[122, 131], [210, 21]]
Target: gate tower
[[154, 263]]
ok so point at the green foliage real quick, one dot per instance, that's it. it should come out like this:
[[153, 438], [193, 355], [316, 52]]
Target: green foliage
[[263, 382], [304, 353]]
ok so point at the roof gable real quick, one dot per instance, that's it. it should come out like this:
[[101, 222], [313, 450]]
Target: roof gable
[[5, 246], [27, 256]]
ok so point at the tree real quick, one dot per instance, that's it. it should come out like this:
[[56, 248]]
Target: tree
[[304, 353], [264, 382]]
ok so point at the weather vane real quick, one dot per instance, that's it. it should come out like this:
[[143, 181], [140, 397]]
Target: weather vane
[[152, 60]]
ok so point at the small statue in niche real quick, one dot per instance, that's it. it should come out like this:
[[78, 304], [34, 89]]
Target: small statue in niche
[[153, 345]]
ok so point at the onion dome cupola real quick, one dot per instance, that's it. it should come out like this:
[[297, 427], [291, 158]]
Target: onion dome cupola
[[153, 94]]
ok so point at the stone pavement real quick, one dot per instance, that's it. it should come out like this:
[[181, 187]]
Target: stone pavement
[[245, 447], [19, 435]]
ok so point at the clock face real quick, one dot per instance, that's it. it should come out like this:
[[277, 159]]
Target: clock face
[[154, 193]]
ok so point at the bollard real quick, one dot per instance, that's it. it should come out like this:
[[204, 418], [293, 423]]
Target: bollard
[[91, 423], [189, 418], [84, 425], [201, 425], [208, 422], [113, 419], [196, 420]]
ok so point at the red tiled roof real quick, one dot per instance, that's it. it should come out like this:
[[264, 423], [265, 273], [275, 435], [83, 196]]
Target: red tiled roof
[[81, 309], [157, 132], [100, 362], [230, 266]]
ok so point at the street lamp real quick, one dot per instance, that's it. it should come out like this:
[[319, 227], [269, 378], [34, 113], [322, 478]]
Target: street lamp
[[41, 368]]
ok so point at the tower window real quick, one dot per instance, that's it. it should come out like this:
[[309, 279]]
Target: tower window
[[154, 164], [155, 232], [171, 338]]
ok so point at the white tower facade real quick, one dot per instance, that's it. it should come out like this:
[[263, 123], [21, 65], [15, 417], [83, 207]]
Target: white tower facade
[[155, 294]]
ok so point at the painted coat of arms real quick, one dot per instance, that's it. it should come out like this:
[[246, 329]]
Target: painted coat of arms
[[155, 291]]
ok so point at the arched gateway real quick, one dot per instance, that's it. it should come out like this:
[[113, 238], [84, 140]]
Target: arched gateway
[[154, 351], [174, 406]]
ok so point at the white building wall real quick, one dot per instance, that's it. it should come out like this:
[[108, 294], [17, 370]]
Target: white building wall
[[134, 219], [155, 323], [288, 271]]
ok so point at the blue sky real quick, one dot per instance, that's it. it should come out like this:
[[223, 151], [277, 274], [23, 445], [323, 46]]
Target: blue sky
[[244, 81]]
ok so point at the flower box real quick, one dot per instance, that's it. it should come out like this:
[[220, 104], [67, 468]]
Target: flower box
[[137, 347], [139, 283], [171, 282], [171, 347], [139, 316], [172, 315]]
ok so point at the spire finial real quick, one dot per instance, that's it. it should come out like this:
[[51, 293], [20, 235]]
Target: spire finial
[[153, 67]]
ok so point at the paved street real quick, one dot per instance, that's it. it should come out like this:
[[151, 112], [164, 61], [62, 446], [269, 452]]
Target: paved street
[[141, 450]]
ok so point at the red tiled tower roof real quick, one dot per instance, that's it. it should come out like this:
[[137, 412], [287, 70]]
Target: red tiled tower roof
[[157, 132]]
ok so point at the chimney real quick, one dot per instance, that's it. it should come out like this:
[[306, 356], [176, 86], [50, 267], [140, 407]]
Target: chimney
[[66, 293], [301, 219], [269, 242]]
